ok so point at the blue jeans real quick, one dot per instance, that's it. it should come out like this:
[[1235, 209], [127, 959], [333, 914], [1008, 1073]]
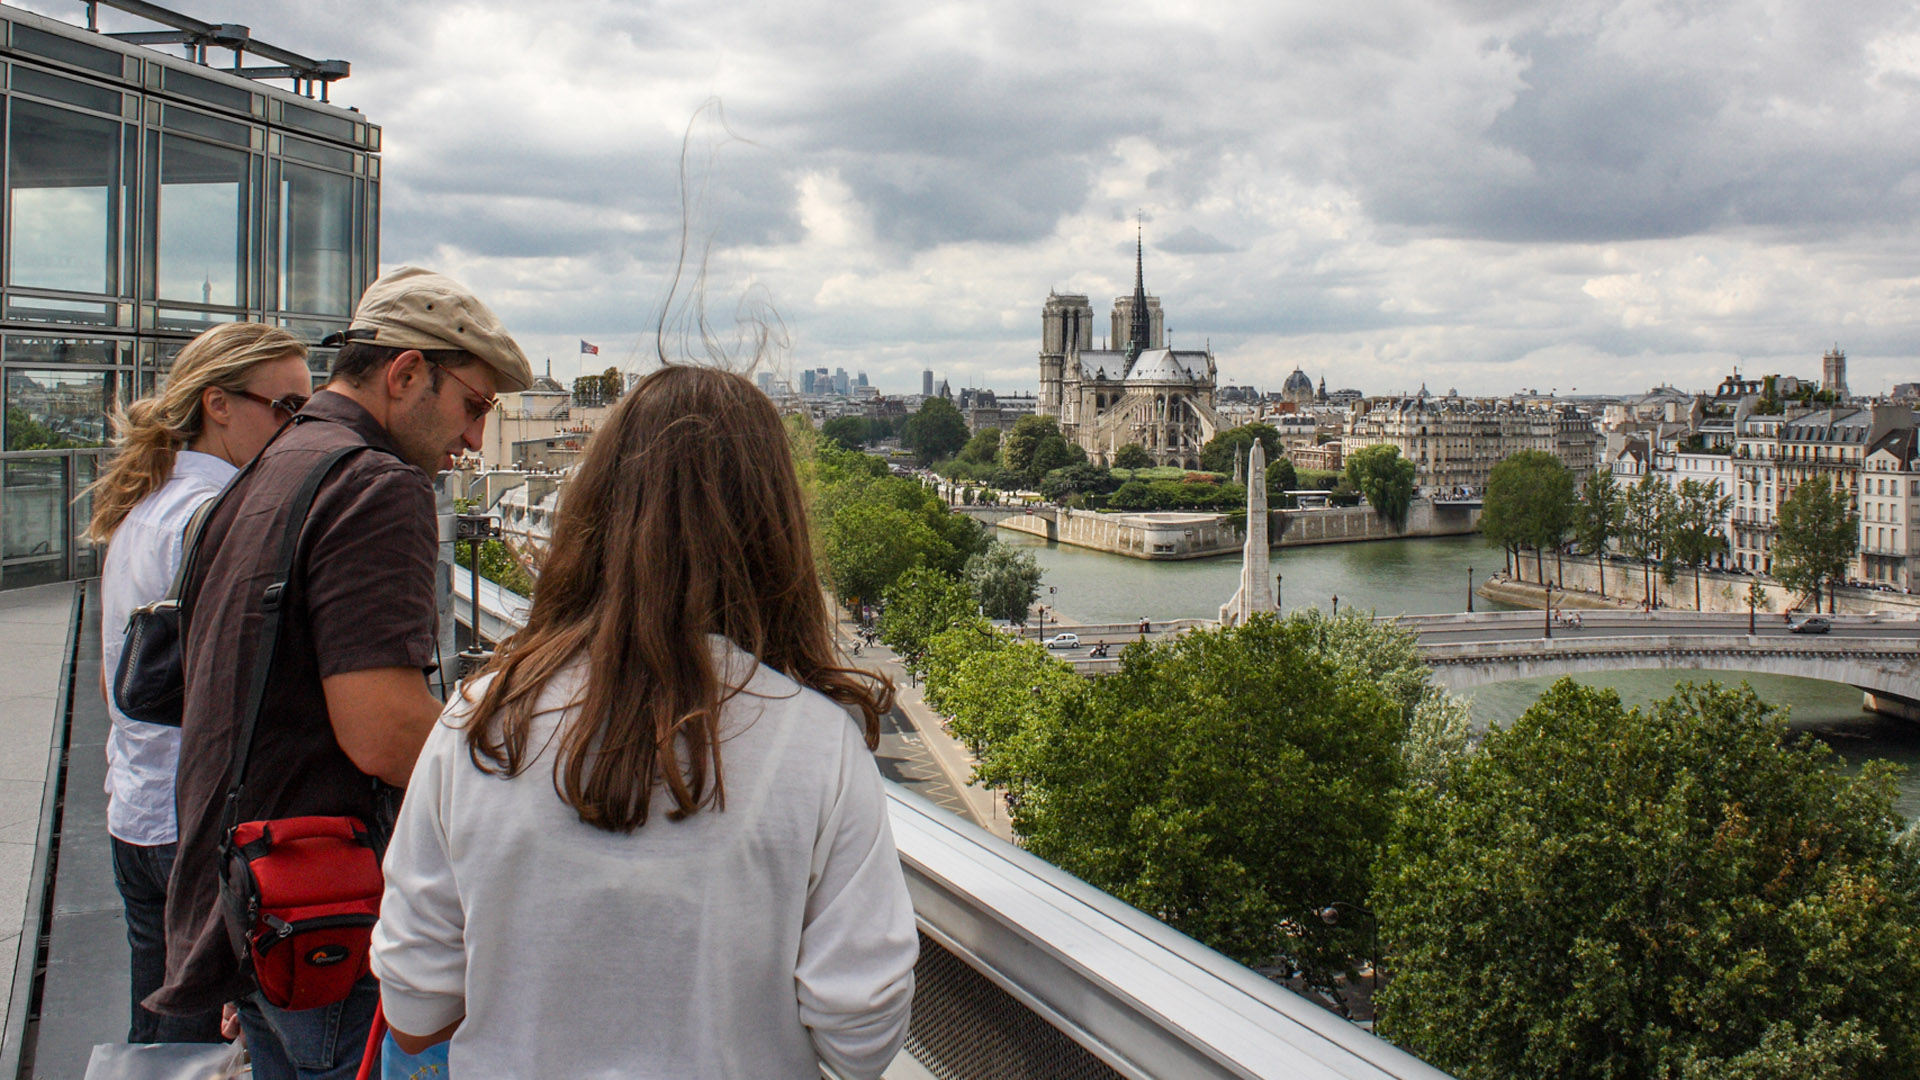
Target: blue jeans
[[309, 1044], [141, 874]]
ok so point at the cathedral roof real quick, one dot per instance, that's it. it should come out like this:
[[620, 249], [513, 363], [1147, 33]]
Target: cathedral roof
[[1297, 381], [1169, 365]]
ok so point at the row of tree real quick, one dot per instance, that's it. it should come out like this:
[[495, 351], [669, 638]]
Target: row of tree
[[1531, 503], [1682, 891]]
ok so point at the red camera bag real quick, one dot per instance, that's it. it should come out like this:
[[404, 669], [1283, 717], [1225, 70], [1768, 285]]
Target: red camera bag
[[302, 896]]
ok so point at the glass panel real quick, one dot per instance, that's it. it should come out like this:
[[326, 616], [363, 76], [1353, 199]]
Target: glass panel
[[337, 127], [86, 554], [62, 201], [36, 309], [33, 519], [52, 350], [213, 93], [315, 226], [317, 154], [66, 50], [203, 222], [225, 131], [192, 321], [59, 410], [73, 92]]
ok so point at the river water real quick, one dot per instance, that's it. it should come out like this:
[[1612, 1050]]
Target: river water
[[1428, 577]]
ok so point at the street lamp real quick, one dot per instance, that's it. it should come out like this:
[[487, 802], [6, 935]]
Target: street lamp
[[1548, 622], [1469, 590], [1336, 605], [1280, 592]]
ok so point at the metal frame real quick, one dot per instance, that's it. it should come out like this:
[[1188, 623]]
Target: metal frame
[[198, 35]]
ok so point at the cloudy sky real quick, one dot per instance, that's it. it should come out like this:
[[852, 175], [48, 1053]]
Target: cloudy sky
[[1482, 194]]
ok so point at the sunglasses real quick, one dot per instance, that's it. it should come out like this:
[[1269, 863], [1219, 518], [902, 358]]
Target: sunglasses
[[479, 404], [290, 404]]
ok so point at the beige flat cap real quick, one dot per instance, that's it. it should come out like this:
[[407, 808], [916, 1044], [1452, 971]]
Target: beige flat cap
[[411, 308]]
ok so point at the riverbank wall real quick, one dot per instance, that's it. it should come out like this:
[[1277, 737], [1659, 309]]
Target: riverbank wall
[[1577, 580], [1159, 536]]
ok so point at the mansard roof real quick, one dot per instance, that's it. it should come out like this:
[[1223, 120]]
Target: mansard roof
[[1169, 365]]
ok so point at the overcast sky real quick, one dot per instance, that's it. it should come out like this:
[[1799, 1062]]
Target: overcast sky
[[1483, 194]]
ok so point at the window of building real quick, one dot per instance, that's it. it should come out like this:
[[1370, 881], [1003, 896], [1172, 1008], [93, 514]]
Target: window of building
[[203, 213], [63, 199], [314, 215], [54, 409]]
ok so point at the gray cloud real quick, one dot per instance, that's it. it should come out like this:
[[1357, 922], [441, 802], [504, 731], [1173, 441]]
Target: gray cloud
[[1191, 241]]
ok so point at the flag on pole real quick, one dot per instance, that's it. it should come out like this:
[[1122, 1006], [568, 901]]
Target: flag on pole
[[587, 348]]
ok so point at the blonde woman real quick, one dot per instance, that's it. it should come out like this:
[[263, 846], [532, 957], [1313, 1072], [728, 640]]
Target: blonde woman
[[230, 389]]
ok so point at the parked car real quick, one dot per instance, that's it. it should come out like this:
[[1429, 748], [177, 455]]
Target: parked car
[[1063, 641], [1812, 625]]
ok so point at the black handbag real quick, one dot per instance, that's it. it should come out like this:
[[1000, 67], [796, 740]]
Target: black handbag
[[150, 685]]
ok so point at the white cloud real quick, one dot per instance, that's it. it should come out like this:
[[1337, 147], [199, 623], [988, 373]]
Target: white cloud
[[1481, 195]]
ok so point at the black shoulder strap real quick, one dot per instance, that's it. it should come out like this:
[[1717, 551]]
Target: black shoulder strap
[[274, 602]]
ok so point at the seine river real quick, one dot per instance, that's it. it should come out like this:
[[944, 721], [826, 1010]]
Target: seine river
[[1425, 577]]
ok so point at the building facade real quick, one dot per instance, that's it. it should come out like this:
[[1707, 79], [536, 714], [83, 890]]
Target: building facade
[[1141, 392], [1454, 443], [148, 198]]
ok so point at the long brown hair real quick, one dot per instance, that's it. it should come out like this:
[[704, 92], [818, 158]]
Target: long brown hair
[[153, 430], [683, 519]]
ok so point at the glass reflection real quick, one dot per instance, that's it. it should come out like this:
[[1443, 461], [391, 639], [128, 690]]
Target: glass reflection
[[58, 410], [316, 240], [203, 222], [33, 512], [61, 199]]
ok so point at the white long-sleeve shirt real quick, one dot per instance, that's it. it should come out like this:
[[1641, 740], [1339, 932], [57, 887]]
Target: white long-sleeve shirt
[[141, 560], [748, 943]]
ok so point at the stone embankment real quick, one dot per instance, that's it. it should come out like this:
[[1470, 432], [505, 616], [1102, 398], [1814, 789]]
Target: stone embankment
[[1197, 535], [1577, 581]]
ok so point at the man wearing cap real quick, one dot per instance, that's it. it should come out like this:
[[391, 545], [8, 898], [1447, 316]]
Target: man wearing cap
[[346, 707]]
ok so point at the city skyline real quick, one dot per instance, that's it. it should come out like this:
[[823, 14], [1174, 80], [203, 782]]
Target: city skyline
[[1482, 196]]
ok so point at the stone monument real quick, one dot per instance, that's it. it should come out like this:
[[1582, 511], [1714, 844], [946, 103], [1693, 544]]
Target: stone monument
[[1256, 592]]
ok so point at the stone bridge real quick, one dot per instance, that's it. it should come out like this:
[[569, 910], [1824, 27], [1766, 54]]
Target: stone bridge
[[1878, 654]]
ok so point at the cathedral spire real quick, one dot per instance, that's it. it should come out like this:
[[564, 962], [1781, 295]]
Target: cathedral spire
[[1137, 323]]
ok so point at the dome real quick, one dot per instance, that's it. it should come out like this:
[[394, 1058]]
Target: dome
[[1297, 387]]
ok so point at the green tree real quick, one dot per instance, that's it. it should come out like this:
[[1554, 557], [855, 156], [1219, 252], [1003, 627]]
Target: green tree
[[1681, 892], [1385, 478], [1228, 782], [26, 433], [983, 448], [1052, 452], [1696, 533], [936, 432], [1220, 452], [1818, 534], [846, 432], [1017, 446], [1597, 519], [867, 546], [1645, 513], [1132, 456], [1006, 581], [922, 603], [1529, 501], [1070, 480]]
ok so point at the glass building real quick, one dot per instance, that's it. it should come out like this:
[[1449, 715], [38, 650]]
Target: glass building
[[148, 197]]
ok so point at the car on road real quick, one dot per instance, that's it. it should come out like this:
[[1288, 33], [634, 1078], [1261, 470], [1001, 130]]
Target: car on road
[[1063, 641], [1812, 625]]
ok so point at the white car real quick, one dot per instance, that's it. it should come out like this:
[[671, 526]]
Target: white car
[[1063, 641]]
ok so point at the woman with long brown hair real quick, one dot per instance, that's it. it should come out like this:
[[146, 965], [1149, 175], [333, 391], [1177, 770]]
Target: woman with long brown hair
[[226, 394], [652, 840]]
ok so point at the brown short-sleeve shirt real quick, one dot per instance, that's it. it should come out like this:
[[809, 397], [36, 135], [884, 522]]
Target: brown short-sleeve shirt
[[365, 564]]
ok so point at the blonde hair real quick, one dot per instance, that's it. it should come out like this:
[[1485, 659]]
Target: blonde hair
[[151, 432]]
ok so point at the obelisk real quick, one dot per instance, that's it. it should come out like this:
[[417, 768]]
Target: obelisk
[[1255, 593]]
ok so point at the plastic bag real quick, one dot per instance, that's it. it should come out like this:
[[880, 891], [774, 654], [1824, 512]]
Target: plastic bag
[[168, 1061]]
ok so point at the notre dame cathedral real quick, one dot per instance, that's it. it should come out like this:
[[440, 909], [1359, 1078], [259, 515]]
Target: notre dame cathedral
[[1139, 392]]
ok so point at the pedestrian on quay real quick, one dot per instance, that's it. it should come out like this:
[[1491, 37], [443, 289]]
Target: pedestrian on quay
[[227, 392], [346, 704], [651, 841]]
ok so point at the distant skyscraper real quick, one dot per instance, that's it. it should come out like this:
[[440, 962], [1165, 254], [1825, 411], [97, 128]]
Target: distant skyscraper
[[926, 384], [860, 379], [806, 381], [840, 384], [765, 379]]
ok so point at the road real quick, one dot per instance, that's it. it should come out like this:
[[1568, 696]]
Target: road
[[1610, 625]]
